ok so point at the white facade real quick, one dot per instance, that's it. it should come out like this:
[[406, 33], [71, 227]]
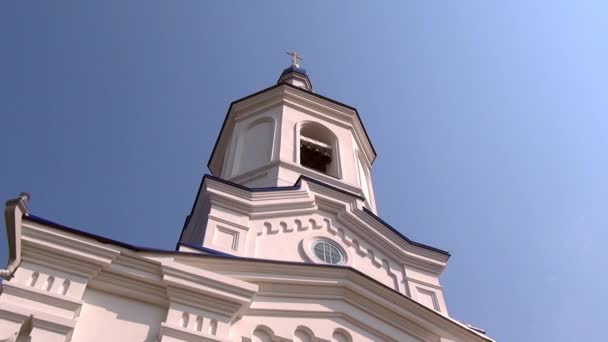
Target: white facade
[[282, 244], [259, 145]]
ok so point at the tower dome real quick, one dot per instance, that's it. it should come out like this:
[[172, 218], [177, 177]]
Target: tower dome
[[294, 74]]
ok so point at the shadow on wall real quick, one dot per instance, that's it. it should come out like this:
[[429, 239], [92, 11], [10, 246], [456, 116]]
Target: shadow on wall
[[117, 318]]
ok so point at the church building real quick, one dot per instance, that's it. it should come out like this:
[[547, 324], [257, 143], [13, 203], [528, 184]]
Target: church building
[[283, 243]]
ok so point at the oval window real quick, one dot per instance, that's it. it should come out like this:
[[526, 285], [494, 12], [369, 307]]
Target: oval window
[[328, 252]]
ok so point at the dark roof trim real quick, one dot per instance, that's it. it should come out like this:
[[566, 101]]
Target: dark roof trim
[[377, 218], [316, 181], [297, 186], [207, 251], [98, 238], [242, 187], [217, 140], [186, 221], [218, 255]]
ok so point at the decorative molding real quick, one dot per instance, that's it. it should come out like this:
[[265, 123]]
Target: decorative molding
[[203, 289], [314, 280], [41, 296], [135, 288], [226, 286], [431, 295], [259, 205], [231, 234], [345, 237], [187, 335], [227, 222], [42, 320]]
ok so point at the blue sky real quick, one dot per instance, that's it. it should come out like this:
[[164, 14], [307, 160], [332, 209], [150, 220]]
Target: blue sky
[[489, 119]]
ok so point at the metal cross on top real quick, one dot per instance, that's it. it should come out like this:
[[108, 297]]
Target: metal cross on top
[[294, 58]]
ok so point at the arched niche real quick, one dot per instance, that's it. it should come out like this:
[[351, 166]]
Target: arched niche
[[262, 333], [255, 145], [318, 148], [303, 334], [341, 335]]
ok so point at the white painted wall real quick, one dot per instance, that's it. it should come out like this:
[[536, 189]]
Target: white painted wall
[[283, 225], [107, 317], [261, 147], [166, 297], [255, 145]]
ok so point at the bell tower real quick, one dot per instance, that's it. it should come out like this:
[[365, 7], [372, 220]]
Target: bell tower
[[291, 182], [273, 137]]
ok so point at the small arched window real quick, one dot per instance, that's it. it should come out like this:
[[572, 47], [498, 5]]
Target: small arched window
[[64, 287], [319, 149], [199, 323], [262, 334], [184, 320], [48, 284], [213, 327], [33, 279], [303, 334], [341, 335]]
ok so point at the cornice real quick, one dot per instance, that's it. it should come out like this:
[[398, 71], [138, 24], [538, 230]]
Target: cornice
[[205, 302], [136, 288], [255, 100], [188, 277], [231, 282], [40, 234], [285, 94], [183, 334], [325, 179], [312, 197], [212, 291], [42, 320], [60, 251], [59, 260], [257, 203], [229, 188], [331, 281], [40, 296], [131, 274]]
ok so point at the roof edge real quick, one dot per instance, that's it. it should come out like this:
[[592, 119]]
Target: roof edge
[[309, 92], [297, 186], [225, 256]]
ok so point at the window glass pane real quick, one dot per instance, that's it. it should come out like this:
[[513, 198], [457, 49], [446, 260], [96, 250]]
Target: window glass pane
[[327, 252]]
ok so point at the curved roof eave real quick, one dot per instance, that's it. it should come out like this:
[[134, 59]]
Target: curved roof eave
[[209, 253], [297, 185]]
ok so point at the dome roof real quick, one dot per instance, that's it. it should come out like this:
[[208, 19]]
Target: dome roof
[[295, 75], [293, 68]]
